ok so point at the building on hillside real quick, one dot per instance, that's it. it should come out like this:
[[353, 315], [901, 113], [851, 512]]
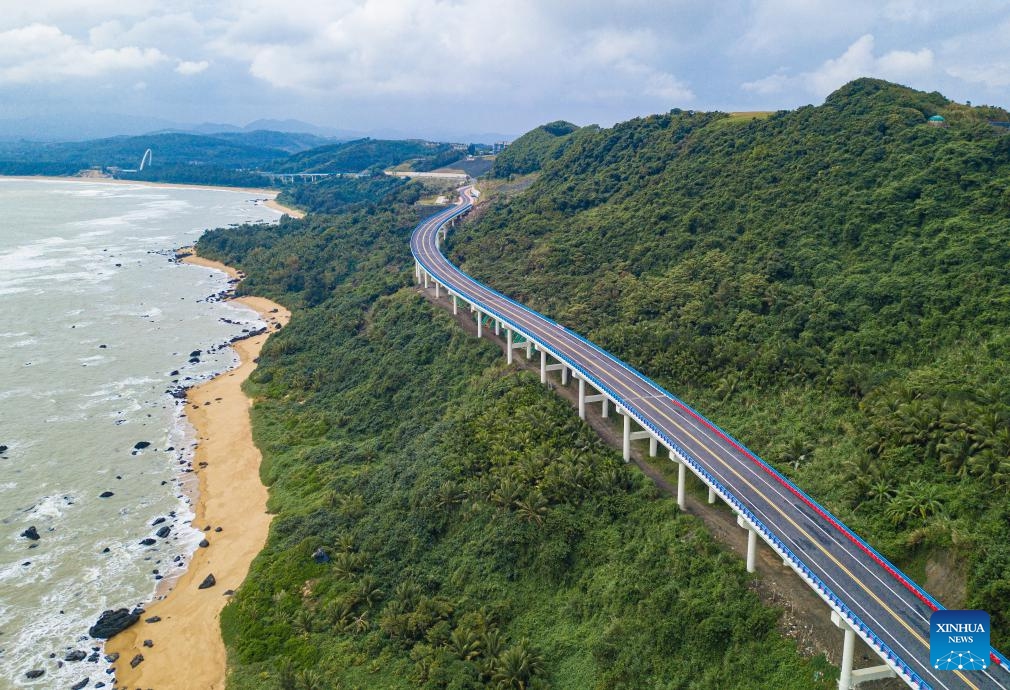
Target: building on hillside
[[937, 121]]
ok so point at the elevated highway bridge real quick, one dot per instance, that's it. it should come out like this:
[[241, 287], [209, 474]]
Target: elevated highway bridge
[[867, 596]]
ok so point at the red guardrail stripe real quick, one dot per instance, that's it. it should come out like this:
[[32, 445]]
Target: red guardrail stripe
[[796, 492]]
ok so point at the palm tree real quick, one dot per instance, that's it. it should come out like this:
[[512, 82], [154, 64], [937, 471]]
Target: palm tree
[[310, 679], [796, 453], [955, 451], [727, 386], [341, 615], [916, 501], [368, 591], [449, 496], [507, 493], [1001, 475], [361, 623], [492, 644], [533, 508], [464, 643], [880, 491], [517, 666], [347, 564]]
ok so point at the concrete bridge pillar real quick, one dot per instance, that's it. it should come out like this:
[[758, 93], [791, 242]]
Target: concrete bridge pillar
[[529, 349], [543, 366], [751, 543], [438, 290], [681, 480], [606, 407], [627, 436], [480, 324], [508, 345], [848, 677], [653, 446], [425, 280], [564, 375], [848, 647], [455, 305], [582, 398], [711, 495], [497, 327]]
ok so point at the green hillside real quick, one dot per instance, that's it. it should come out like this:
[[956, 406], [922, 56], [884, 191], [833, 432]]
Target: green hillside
[[478, 533], [289, 142], [831, 284], [168, 148], [533, 150], [359, 155]]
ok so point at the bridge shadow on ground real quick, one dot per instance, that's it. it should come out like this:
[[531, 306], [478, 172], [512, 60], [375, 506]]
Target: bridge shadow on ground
[[805, 618]]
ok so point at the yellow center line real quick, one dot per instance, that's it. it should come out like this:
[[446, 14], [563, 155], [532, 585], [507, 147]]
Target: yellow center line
[[812, 540], [779, 510]]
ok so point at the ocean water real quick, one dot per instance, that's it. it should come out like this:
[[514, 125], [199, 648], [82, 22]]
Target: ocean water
[[94, 318]]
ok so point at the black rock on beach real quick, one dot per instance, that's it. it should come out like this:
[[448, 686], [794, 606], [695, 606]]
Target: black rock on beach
[[112, 622]]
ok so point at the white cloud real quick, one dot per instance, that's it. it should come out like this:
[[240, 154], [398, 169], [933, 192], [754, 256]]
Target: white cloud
[[858, 60], [43, 53], [778, 26], [187, 68], [980, 56], [419, 48]]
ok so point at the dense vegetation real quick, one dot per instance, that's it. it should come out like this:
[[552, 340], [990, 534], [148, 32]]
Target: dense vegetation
[[290, 142], [170, 148], [227, 159], [477, 533], [344, 193], [830, 284], [533, 150], [180, 173], [360, 155]]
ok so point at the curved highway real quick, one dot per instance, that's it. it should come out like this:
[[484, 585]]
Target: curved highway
[[881, 604]]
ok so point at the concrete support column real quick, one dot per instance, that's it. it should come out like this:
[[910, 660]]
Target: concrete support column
[[681, 483], [497, 327], [627, 437], [480, 324], [417, 272], [564, 375], [529, 349], [425, 280], [751, 549], [751, 542], [508, 345], [653, 446], [711, 495], [543, 366], [848, 647], [438, 290], [455, 305], [582, 398], [606, 407]]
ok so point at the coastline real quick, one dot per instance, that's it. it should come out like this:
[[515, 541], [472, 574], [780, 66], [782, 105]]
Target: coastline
[[271, 202], [187, 646]]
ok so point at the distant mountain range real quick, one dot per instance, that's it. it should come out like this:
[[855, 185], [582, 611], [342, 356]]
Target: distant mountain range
[[87, 126]]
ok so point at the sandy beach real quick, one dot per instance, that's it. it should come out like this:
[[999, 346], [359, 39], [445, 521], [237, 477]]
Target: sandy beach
[[187, 650]]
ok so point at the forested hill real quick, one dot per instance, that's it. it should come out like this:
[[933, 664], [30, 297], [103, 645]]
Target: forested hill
[[533, 150], [443, 520], [829, 283]]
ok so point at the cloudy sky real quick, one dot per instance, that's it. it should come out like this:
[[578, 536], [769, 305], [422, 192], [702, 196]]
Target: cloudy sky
[[446, 68]]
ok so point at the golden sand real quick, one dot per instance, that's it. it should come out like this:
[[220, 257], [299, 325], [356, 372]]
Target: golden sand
[[187, 650]]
